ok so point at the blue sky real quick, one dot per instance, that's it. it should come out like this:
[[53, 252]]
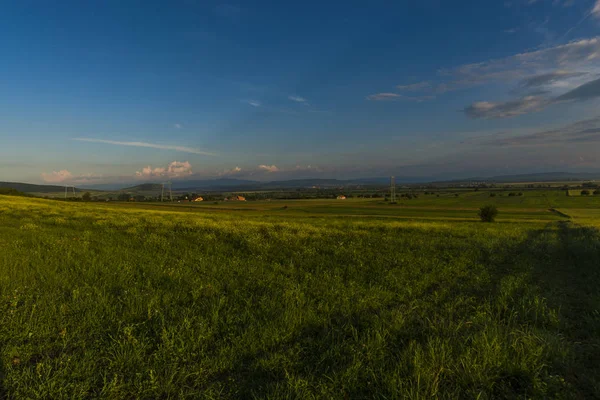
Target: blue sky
[[122, 91]]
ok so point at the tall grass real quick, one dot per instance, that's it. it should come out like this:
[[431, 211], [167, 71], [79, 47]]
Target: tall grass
[[125, 303]]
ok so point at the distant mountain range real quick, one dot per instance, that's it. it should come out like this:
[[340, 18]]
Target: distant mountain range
[[247, 185], [539, 177]]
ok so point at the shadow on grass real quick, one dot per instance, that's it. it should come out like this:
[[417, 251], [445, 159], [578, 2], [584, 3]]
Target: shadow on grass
[[554, 272], [570, 281], [3, 393]]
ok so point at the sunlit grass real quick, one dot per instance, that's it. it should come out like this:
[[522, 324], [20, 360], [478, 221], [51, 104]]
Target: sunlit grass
[[127, 302]]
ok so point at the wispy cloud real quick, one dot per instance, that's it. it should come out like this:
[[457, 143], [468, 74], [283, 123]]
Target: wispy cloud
[[298, 99], [415, 86], [488, 110], [253, 103], [589, 90], [577, 55], [183, 149], [550, 64], [528, 104], [395, 97], [549, 78], [177, 126], [582, 131], [383, 97], [511, 30], [596, 9]]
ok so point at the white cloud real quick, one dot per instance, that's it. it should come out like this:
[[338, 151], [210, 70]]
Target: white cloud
[[183, 149], [556, 74], [297, 99], [176, 169], [551, 78], [571, 56], [596, 9], [268, 168], [589, 90], [586, 131], [528, 104], [177, 126], [253, 103], [556, 69], [57, 176], [394, 96], [383, 97], [488, 110]]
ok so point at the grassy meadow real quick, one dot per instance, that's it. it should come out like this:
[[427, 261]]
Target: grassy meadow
[[301, 299]]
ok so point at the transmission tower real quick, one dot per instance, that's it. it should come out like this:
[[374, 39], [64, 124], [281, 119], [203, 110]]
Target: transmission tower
[[393, 189], [162, 192], [67, 191]]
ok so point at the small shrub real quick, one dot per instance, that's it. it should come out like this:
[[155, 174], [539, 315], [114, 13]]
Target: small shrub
[[596, 192], [585, 192], [488, 213], [492, 194]]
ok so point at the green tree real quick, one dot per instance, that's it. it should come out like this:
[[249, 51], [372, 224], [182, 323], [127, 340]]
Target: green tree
[[488, 213], [86, 196]]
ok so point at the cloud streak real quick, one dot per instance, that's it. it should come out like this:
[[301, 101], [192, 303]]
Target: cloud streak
[[395, 96], [383, 97], [569, 56], [298, 99], [183, 149], [415, 86], [549, 78], [528, 104], [489, 110], [596, 9], [585, 131]]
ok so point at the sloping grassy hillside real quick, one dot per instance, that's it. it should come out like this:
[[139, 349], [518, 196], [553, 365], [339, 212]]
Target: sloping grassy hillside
[[132, 303]]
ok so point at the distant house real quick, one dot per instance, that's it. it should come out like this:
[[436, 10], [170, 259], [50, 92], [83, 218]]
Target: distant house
[[239, 198], [341, 197], [199, 199]]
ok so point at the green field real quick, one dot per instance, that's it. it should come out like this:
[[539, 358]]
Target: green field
[[301, 299]]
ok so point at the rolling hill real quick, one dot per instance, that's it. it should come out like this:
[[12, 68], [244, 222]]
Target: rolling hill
[[31, 188]]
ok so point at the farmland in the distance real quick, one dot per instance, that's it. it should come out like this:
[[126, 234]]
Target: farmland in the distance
[[301, 299]]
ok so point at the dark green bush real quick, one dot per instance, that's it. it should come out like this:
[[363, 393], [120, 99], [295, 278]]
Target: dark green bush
[[488, 213]]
